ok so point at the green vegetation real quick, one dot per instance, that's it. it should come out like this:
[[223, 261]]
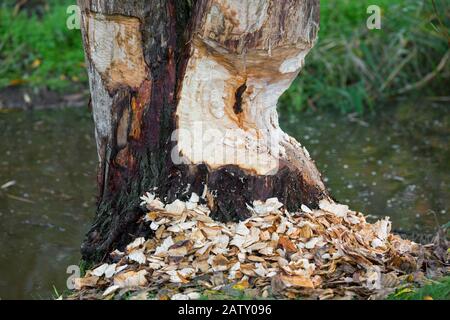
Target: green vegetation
[[39, 50], [84, 266], [437, 290], [352, 69]]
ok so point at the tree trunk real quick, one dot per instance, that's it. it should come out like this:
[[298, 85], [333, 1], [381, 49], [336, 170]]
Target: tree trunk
[[184, 98]]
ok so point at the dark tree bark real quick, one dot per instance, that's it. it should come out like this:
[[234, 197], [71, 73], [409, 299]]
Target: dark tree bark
[[184, 100]]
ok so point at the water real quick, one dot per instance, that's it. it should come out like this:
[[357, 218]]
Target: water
[[398, 165], [381, 169], [51, 156]]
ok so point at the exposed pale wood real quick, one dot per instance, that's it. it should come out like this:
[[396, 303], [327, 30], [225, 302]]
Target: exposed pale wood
[[184, 100], [114, 45], [258, 45]]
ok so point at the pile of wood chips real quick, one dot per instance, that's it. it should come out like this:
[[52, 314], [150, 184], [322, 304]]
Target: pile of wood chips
[[329, 253]]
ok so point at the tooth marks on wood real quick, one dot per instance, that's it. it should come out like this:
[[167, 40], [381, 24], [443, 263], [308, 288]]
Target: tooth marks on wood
[[114, 47], [226, 81], [256, 24]]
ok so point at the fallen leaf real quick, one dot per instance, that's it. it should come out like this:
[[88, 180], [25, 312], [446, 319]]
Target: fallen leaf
[[131, 279], [137, 256], [17, 82], [297, 281], [86, 282], [110, 270], [111, 290], [180, 296], [287, 244], [194, 295], [338, 209], [176, 208], [241, 229], [269, 206], [180, 248], [135, 244], [36, 63], [312, 243], [98, 272], [241, 286]]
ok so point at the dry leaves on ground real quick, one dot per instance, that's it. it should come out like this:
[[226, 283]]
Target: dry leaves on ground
[[331, 252]]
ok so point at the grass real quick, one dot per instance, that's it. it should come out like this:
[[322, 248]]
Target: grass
[[351, 69], [84, 266], [40, 51], [437, 290]]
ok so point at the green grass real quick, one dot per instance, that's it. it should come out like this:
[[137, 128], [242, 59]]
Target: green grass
[[438, 290], [351, 69], [84, 266], [40, 51]]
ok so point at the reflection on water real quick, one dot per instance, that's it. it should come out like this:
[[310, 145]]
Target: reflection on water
[[51, 157], [379, 169], [397, 165]]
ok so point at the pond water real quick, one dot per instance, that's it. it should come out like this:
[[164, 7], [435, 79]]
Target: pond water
[[396, 165]]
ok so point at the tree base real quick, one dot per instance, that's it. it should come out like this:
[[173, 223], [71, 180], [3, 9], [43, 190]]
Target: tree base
[[197, 82], [228, 192]]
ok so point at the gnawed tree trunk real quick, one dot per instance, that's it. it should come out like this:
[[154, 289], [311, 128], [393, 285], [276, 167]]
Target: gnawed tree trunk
[[184, 98]]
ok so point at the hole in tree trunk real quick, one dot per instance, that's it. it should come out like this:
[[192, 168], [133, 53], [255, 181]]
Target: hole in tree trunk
[[238, 95]]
